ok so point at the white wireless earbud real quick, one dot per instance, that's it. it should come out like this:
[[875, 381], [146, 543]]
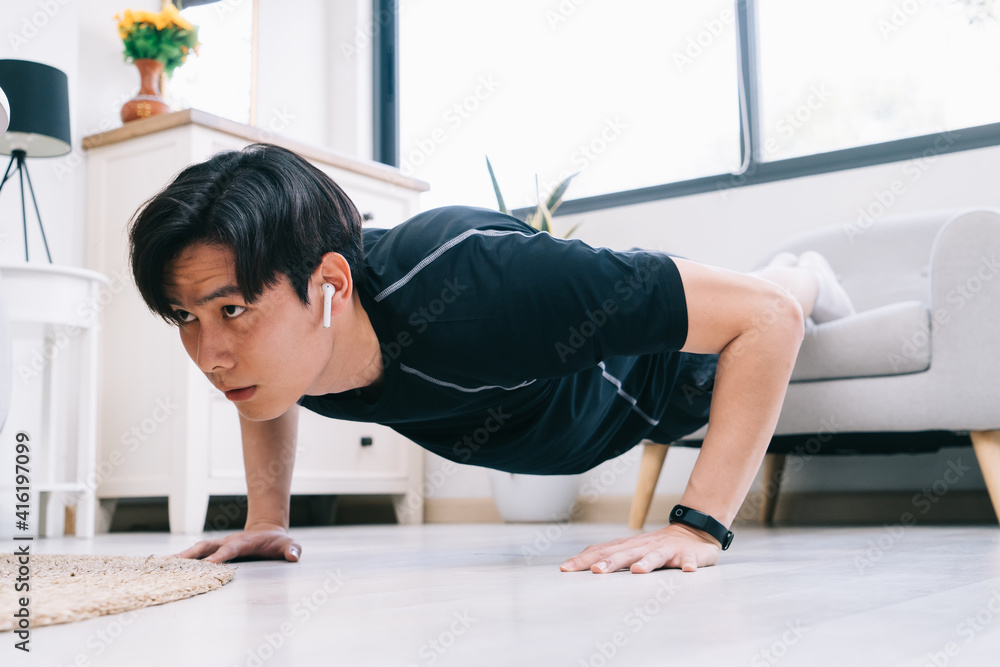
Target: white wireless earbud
[[328, 292]]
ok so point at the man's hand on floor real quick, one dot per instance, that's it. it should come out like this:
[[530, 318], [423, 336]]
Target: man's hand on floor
[[259, 541], [674, 546]]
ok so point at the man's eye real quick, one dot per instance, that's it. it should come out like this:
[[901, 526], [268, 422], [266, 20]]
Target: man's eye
[[180, 316], [232, 315]]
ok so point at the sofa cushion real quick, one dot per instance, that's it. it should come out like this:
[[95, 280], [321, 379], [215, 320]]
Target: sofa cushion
[[887, 340]]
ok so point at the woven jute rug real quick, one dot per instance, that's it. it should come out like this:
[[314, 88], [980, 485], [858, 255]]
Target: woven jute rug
[[66, 588]]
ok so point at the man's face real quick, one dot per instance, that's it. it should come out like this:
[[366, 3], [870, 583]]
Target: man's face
[[272, 345]]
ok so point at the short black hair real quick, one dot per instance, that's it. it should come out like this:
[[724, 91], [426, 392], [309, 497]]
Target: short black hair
[[278, 214]]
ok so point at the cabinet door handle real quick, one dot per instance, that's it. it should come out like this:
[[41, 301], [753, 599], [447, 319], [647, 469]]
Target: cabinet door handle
[[366, 441]]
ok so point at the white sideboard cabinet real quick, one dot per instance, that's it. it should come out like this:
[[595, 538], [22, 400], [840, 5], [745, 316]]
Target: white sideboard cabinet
[[162, 427]]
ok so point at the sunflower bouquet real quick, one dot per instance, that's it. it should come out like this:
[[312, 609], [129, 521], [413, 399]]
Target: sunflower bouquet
[[165, 36]]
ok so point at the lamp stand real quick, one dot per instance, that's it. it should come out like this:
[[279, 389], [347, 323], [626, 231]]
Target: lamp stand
[[18, 155]]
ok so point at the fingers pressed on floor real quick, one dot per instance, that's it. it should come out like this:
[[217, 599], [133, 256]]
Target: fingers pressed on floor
[[196, 551]]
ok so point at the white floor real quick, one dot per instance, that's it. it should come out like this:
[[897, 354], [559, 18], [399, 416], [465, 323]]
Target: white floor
[[447, 594]]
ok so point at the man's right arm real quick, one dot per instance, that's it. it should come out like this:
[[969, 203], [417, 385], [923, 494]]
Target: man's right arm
[[269, 459]]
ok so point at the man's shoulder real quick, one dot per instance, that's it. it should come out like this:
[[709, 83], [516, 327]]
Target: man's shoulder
[[430, 230], [445, 221]]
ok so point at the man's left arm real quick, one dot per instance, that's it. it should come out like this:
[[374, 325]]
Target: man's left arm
[[756, 327]]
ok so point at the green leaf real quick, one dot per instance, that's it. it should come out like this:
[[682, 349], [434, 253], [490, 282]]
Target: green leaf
[[546, 214], [546, 220], [555, 199], [571, 230], [145, 41], [496, 188]]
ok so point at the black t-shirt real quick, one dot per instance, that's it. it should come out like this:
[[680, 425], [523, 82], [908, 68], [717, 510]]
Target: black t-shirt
[[508, 348]]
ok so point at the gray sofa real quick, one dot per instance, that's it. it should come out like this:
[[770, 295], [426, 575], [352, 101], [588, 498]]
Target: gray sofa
[[916, 368]]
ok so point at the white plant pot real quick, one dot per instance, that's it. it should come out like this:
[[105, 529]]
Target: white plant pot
[[522, 498]]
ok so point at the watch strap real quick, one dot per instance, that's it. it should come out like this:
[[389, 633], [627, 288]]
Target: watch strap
[[702, 521]]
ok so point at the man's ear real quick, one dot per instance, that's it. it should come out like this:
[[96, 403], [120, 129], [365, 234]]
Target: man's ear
[[334, 269]]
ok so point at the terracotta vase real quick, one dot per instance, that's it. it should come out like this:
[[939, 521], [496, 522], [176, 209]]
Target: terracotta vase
[[148, 102]]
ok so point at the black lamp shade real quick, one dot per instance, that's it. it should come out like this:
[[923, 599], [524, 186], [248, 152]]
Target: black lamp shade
[[39, 109]]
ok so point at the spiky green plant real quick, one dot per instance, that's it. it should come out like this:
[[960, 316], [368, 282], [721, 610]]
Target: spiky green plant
[[541, 217]]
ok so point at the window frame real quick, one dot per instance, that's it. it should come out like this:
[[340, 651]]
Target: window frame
[[753, 172], [385, 82]]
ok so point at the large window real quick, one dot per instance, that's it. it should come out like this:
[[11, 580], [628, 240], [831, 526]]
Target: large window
[[629, 93], [650, 99], [858, 72]]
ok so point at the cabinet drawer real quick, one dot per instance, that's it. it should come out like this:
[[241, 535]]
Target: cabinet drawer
[[378, 209], [328, 449], [332, 448]]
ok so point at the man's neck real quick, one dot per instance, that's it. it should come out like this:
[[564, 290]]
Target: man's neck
[[356, 364], [372, 374]]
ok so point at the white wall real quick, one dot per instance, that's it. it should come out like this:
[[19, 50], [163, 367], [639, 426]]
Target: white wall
[[315, 87], [46, 32]]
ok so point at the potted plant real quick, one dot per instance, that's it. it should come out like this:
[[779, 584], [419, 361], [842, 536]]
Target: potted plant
[[157, 43], [529, 498], [522, 497], [541, 217]]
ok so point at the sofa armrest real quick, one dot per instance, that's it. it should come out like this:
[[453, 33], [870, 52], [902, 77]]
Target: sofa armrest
[[965, 303]]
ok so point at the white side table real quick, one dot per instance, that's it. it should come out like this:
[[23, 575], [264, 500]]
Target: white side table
[[54, 314]]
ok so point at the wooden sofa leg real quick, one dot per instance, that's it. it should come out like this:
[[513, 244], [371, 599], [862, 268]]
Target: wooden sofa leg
[[986, 444], [653, 455], [774, 466]]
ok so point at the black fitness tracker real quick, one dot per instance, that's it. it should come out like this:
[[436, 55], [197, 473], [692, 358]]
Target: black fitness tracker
[[702, 521]]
